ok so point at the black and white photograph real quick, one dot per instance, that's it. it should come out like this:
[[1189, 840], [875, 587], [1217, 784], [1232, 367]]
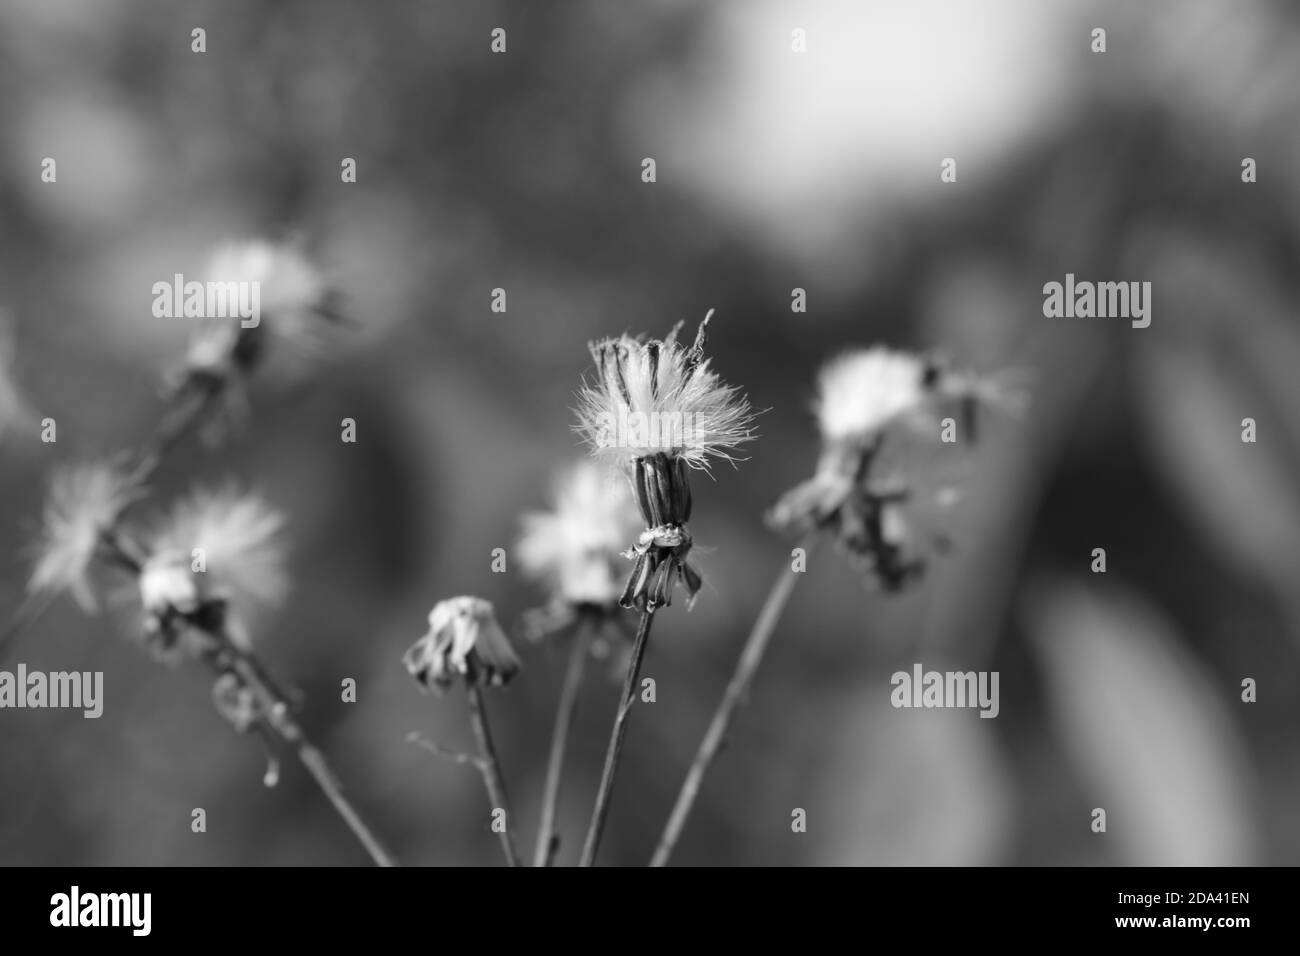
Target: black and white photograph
[[811, 434]]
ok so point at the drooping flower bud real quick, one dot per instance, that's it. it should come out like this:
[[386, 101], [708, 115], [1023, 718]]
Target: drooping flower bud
[[464, 640]]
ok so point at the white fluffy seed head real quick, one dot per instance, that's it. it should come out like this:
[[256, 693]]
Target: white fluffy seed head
[[575, 548], [288, 283], [167, 583], [655, 395], [294, 306], [861, 393], [235, 538], [83, 503]]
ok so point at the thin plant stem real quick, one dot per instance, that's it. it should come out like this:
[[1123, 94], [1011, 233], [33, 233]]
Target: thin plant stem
[[252, 675], [751, 656], [548, 840], [314, 761], [491, 767], [483, 766], [615, 750], [192, 406]]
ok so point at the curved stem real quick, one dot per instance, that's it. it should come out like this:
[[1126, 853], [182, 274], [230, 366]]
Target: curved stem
[[491, 767], [548, 840], [746, 667], [193, 405], [253, 675], [615, 750]]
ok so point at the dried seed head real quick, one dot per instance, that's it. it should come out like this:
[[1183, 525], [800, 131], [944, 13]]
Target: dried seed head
[[223, 546], [864, 398], [181, 616], [168, 586], [296, 311], [865, 519], [655, 410], [655, 396], [82, 506], [574, 548], [861, 394], [464, 639], [289, 284]]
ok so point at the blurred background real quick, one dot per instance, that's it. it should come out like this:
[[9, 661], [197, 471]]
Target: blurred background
[[775, 170]]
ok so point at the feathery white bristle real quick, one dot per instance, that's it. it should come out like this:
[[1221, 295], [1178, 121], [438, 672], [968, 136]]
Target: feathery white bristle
[[288, 283], [652, 395], [860, 393], [293, 302], [241, 539], [83, 502]]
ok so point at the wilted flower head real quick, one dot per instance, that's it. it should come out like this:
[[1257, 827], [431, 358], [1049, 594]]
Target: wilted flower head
[[862, 396], [217, 558], [866, 517], [296, 308], [83, 503], [464, 639], [655, 396]]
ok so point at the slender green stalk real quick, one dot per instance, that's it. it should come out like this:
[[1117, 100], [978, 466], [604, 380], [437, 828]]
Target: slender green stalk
[[548, 840], [615, 750], [737, 690], [491, 768]]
